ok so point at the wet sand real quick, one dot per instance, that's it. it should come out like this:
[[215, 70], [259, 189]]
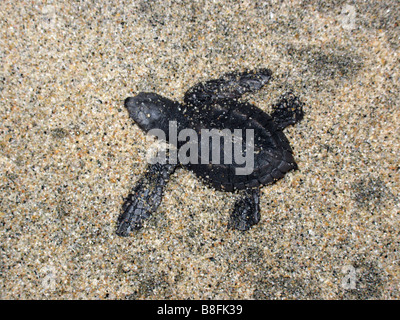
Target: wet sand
[[70, 154]]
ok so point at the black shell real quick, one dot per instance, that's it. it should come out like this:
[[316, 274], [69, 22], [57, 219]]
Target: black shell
[[272, 152]]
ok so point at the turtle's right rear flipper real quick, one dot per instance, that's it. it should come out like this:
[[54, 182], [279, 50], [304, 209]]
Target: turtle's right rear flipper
[[144, 199], [229, 86], [288, 110]]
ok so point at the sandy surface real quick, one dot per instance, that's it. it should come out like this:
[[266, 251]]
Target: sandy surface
[[69, 152]]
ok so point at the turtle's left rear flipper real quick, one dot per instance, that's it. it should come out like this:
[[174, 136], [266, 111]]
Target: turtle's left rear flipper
[[246, 212], [144, 199]]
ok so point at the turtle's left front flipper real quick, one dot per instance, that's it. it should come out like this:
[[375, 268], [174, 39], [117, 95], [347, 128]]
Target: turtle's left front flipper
[[144, 199]]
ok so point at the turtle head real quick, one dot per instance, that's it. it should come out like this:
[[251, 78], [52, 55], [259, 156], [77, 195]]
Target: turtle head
[[149, 110]]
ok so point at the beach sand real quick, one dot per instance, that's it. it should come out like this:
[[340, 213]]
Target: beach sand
[[70, 153]]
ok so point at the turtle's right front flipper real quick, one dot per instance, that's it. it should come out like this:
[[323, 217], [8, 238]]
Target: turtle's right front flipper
[[229, 86], [144, 199]]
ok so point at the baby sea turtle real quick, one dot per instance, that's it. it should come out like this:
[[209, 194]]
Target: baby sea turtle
[[214, 105]]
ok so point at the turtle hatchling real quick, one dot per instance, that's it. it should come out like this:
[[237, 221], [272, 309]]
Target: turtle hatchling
[[254, 152]]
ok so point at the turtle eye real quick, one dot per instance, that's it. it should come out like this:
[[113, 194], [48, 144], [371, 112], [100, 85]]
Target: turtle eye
[[142, 118]]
